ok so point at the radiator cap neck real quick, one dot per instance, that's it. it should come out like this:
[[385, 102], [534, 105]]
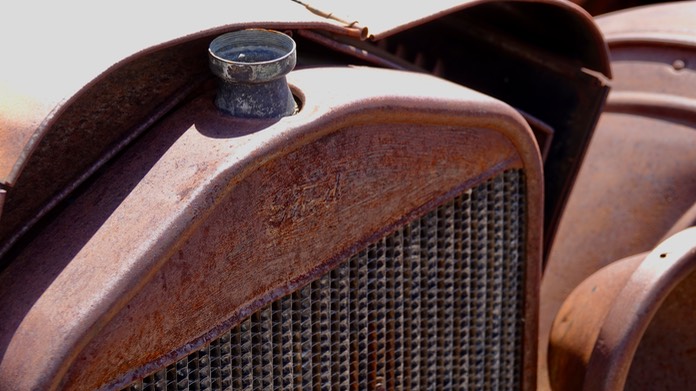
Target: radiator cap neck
[[251, 66]]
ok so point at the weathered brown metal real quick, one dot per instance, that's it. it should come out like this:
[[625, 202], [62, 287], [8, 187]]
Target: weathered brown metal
[[630, 324], [38, 161], [661, 24], [504, 49], [48, 158], [235, 199], [572, 343], [639, 175], [378, 54], [29, 96], [54, 137]]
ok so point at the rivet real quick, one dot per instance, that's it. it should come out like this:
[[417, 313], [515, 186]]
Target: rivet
[[678, 65]]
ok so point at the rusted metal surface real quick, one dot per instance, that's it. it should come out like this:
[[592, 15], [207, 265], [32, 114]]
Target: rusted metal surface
[[389, 273], [662, 24], [639, 175], [109, 50], [58, 130], [184, 188], [627, 153], [665, 358], [662, 182], [577, 324], [630, 324], [46, 161], [655, 104], [506, 50], [251, 66], [646, 76], [94, 127], [39, 146]]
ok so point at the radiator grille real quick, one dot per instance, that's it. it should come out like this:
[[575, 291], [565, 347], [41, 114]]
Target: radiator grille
[[435, 305]]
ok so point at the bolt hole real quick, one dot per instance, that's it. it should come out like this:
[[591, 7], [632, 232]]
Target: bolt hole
[[663, 255]]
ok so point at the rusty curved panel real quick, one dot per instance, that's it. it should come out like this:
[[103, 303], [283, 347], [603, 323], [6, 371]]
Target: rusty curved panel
[[669, 24], [636, 181], [653, 104], [380, 25], [665, 354], [51, 146], [546, 60], [577, 324], [627, 153], [639, 175], [110, 50], [664, 75], [72, 130], [83, 271], [599, 329]]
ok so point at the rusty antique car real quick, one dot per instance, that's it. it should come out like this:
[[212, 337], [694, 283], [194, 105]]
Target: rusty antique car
[[470, 195]]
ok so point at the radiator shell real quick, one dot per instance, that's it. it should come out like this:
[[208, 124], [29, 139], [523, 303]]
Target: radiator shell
[[208, 219], [439, 303]]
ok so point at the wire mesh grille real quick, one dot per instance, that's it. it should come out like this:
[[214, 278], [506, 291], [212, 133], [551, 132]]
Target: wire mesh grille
[[436, 305]]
